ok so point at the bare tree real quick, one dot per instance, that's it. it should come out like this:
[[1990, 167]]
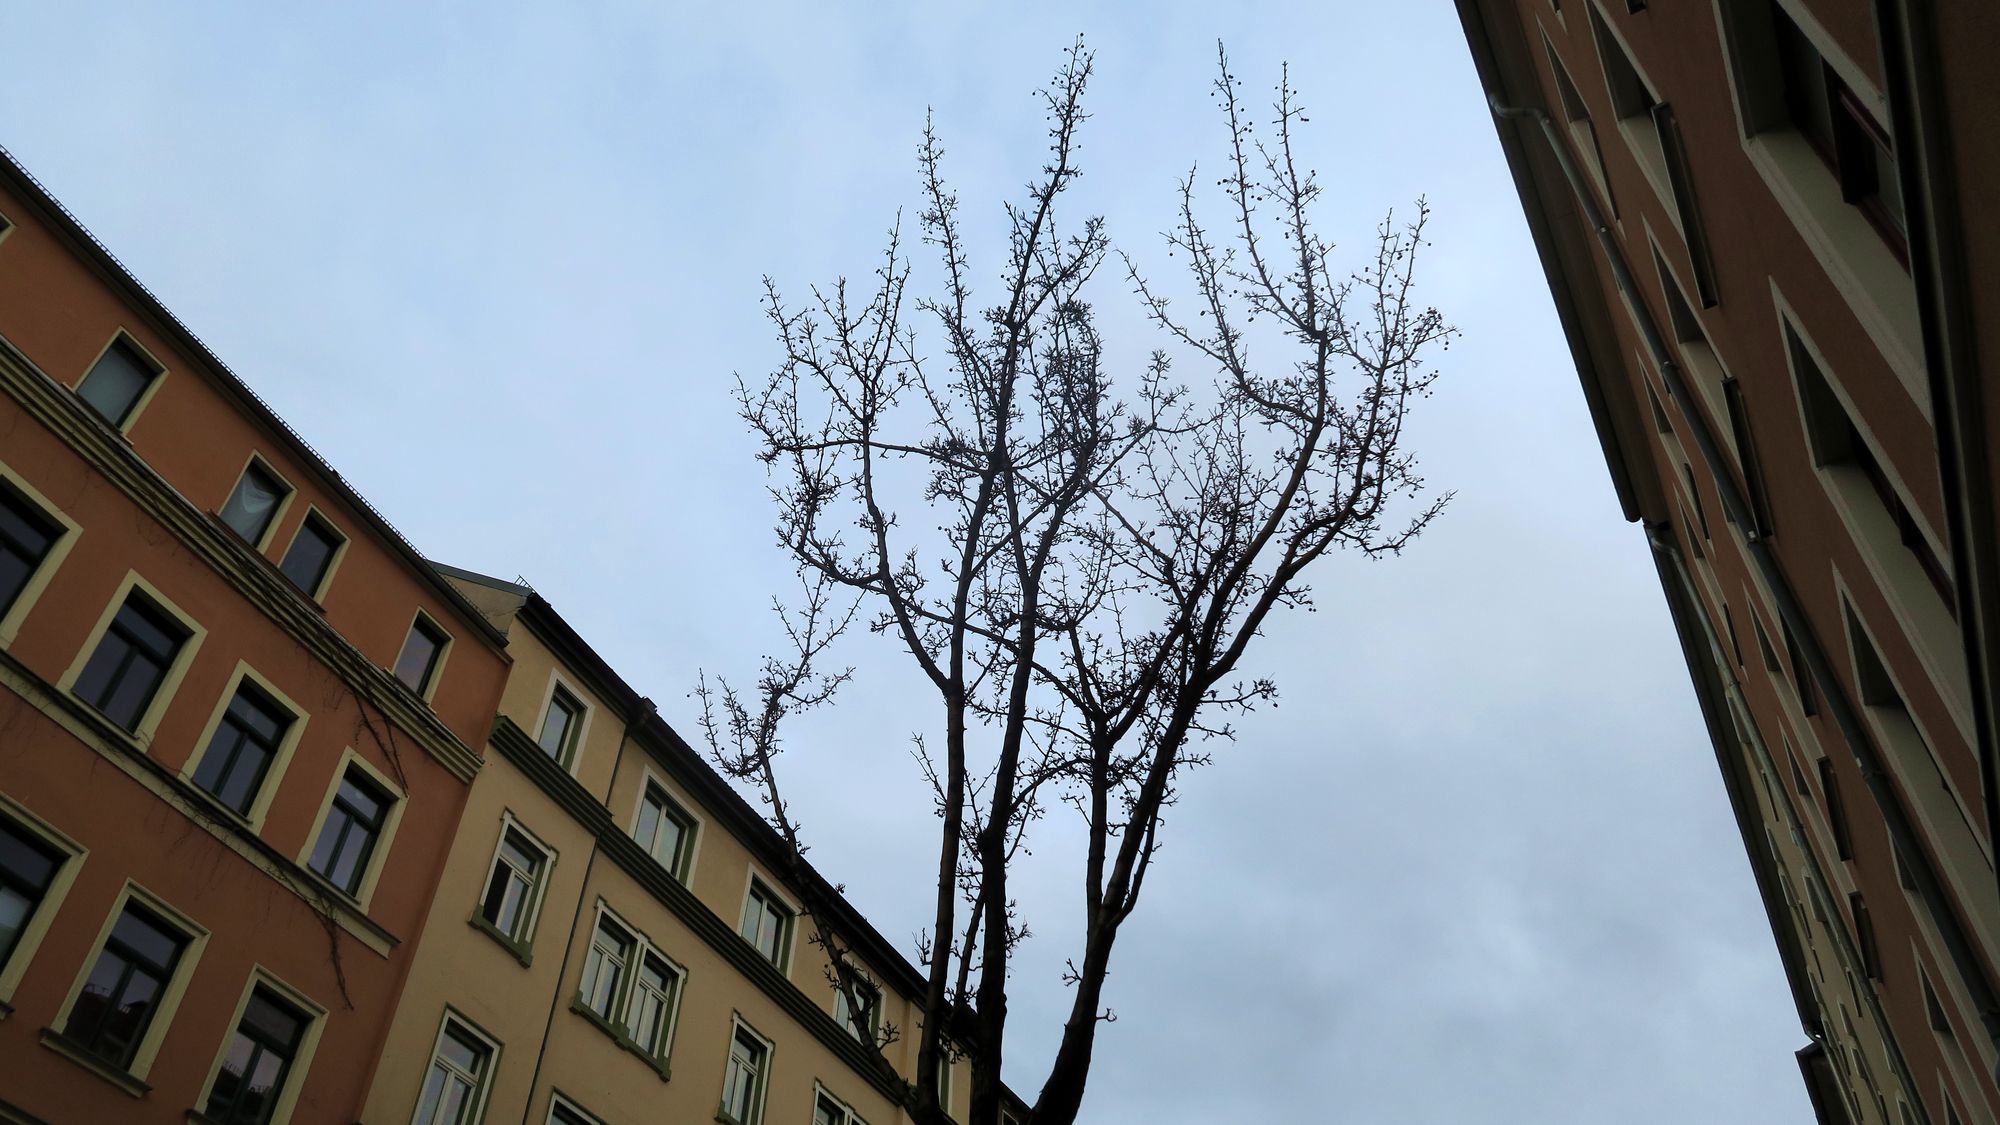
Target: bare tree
[[1091, 561]]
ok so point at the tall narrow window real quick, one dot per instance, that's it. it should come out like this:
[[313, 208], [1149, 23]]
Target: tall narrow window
[[652, 1004], [417, 664], [1832, 118], [605, 967], [1694, 494], [743, 1084], [353, 826], [456, 1081], [765, 923], [1746, 456], [1864, 936], [118, 381], [1836, 812], [1838, 443], [122, 993], [27, 868], [561, 725], [260, 1058], [513, 886], [863, 1023], [131, 661], [243, 747], [25, 538], [664, 830], [254, 503], [311, 554], [1801, 674], [1576, 116]]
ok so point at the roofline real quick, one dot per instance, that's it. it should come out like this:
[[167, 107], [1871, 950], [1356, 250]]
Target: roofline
[[692, 769], [106, 265]]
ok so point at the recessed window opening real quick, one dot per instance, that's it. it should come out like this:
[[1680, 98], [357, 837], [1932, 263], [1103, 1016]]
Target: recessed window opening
[[245, 743], [26, 537], [131, 661], [311, 554], [117, 382], [253, 504], [1843, 132]]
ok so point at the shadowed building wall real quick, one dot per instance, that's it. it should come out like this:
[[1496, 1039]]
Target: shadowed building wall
[[1763, 226]]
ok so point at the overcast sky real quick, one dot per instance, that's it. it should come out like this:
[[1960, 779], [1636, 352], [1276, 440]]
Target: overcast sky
[[499, 264]]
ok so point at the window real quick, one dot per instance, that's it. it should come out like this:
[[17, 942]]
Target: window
[[348, 836], [417, 665], [1864, 936], [26, 536], [604, 968], [245, 742], [1746, 458], [1934, 1009], [1836, 812], [1680, 182], [665, 831], [562, 1111], [631, 988], [131, 661], [1582, 132], [1838, 443], [122, 992], [1735, 645], [254, 504], [1833, 120], [561, 725], [456, 1083], [765, 923], [652, 1008], [28, 867], [513, 887], [1801, 675], [861, 1024], [743, 1084], [1764, 648], [829, 1110], [310, 557], [253, 1073], [1694, 494], [944, 1060], [118, 380]]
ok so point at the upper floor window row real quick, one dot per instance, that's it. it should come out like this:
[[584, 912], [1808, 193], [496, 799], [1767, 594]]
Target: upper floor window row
[[1843, 131]]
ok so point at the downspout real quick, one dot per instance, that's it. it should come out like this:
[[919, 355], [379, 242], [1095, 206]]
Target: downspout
[[576, 918], [1930, 888]]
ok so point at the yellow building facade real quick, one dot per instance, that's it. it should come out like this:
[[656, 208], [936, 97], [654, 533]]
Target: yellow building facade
[[617, 936]]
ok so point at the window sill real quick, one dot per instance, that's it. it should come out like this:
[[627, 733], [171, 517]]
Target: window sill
[[73, 1051], [619, 1037], [519, 949]]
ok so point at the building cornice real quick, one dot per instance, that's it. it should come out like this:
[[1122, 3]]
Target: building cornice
[[58, 409], [58, 220], [520, 751]]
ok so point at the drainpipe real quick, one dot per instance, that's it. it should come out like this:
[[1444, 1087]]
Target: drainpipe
[[1847, 718]]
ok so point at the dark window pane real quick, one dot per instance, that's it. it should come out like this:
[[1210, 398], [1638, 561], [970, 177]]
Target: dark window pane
[[419, 656], [115, 384], [25, 538], [253, 503], [130, 662], [26, 869], [246, 1089], [245, 742], [559, 725], [310, 554], [118, 998], [348, 837]]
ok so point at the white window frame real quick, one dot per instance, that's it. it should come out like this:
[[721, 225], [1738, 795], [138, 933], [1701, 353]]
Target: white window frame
[[538, 887], [570, 757], [624, 1000], [753, 883], [484, 1086], [760, 1085], [690, 845]]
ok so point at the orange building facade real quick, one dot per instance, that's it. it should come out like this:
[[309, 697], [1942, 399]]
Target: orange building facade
[[238, 721], [1765, 227]]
